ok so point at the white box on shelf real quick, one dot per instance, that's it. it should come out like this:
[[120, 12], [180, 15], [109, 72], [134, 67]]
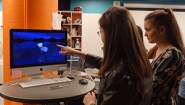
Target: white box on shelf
[[116, 3]]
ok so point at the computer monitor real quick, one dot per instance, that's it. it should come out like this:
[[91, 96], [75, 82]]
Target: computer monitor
[[34, 51]]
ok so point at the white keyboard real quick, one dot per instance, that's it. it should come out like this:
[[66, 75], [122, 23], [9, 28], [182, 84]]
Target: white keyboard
[[43, 82]]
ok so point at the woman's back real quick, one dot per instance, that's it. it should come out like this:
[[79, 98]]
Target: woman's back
[[119, 87]]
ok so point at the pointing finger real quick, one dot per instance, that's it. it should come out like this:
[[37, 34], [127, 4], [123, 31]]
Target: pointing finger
[[60, 46]]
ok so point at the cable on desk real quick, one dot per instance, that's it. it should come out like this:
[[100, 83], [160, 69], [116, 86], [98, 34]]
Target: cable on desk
[[60, 86]]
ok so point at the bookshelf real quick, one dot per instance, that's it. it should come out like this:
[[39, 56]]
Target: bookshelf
[[72, 22]]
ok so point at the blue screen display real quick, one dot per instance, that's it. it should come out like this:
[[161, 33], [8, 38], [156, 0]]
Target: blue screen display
[[36, 47]]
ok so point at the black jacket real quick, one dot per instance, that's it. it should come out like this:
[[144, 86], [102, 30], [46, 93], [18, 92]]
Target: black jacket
[[119, 87]]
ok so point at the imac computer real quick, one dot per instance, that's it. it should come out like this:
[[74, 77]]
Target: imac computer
[[34, 51]]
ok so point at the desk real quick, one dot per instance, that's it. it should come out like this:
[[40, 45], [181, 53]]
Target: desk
[[43, 94]]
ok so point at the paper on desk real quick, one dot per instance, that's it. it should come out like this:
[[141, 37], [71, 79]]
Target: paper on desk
[[56, 20], [84, 74], [91, 71], [16, 73]]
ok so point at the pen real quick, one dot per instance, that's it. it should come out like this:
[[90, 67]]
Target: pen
[[55, 87]]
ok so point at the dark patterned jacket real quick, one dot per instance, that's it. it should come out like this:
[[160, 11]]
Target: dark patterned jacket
[[167, 69], [119, 87]]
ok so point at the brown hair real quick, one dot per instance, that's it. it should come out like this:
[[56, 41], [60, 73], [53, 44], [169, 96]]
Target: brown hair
[[167, 19], [140, 31], [123, 43], [141, 35]]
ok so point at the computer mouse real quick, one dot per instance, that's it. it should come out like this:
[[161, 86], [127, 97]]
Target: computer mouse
[[83, 81]]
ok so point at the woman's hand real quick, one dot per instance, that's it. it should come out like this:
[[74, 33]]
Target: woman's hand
[[71, 51], [66, 50], [89, 98]]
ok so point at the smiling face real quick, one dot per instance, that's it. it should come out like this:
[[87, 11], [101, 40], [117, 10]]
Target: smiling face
[[151, 31]]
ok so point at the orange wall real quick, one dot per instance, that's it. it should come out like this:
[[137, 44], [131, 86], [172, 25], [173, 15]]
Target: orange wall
[[38, 13], [35, 14]]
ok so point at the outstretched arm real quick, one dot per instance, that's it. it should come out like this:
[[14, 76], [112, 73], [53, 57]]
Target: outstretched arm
[[70, 51]]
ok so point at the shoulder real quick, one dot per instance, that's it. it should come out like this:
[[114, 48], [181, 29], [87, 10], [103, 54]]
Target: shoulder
[[172, 57], [168, 55], [174, 49], [172, 52]]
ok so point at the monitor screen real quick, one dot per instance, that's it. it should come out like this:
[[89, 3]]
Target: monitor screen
[[34, 51]]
